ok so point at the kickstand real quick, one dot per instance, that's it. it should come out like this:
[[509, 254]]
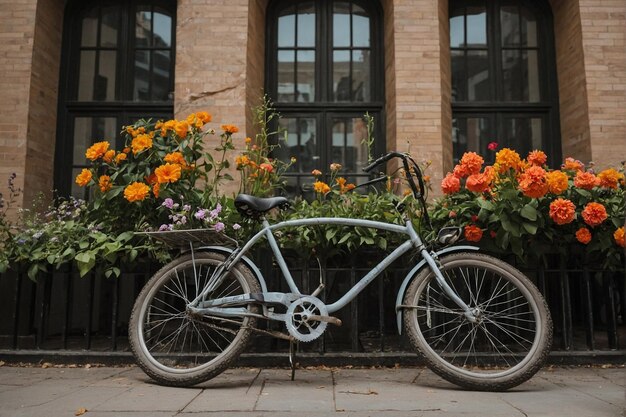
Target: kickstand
[[293, 347]]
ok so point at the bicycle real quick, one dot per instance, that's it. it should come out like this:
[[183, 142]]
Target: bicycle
[[476, 321]]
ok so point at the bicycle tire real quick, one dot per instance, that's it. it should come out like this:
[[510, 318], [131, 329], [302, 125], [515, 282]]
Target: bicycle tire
[[176, 348], [505, 348]]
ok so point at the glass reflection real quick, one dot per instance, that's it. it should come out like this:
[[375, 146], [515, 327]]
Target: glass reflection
[[306, 25], [341, 75], [142, 75], [286, 76], [361, 75], [529, 28], [87, 131], [523, 133], [341, 24], [86, 75], [287, 28], [476, 26], [457, 28], [457, 59], [478, 76], [360, 28], [348, 146], [143, 28], [109, 25], [161, 80], [509, 26], [301, 142], [471, 134], [162, 30], [89, 33], [104, 89], [530, 68]]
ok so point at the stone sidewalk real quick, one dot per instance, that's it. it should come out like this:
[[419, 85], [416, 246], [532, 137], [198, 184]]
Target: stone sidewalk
[[253, 392]]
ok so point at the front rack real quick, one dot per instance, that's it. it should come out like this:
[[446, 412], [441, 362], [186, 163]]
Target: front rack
[[195, 237]]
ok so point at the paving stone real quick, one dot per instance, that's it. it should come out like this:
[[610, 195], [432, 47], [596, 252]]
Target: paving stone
[[311, 390], [233, 390], [146, 397]]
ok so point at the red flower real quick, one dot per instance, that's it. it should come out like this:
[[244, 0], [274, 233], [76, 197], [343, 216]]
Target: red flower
[[583, 235], [492, 146], [450, 184], [473, 233]]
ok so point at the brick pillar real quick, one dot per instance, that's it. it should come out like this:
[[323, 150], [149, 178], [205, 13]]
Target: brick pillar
[[418, 77], [603, 25]]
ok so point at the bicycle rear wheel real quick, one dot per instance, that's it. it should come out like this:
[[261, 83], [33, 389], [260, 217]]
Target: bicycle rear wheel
[[177, 348], [510, 340]]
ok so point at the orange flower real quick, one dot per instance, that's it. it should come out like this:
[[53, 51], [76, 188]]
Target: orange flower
[[241, 161], [140, 143], [478, 182], [533, 182], [609, 178], [473, 233], [583, 235], [334, 167], [321, 187], [470, 164], [108, 156], [126, 150], [167, 173], [120, 157], [619, 237], [203, 116], [594, 214], [230, 129], [507, 159], [585, 180], [450, 184], [572, 164], [267, 167], [316, 172], [84, 177], [562, 211], [156, 188], [538, 158], [167, 126], [557, 182], [136, 191], [105, 183], [175, 158], [97, 150], [248, 140], [181, 129]]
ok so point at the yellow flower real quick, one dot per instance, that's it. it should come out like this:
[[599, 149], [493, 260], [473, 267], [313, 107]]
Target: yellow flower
[[136, 191], [203, 116], [105, 183], [508, 159], [168, 173], [321, 187], [97, 150], [557, 182], [84, 177], [181, 129], [175, 158], [120, 157], [140, 143], [108, 156], [166, 126], [230, 129], [609, 178]]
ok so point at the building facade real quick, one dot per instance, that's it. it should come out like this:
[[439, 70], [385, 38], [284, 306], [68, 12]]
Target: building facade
[[440, 77]]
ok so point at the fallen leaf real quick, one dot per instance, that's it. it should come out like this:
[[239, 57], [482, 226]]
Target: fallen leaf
[[46, 365], [80, 411], [321, 387], [1, 363], [370, 392], [87, 366]]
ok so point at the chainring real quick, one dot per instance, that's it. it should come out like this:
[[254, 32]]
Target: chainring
[[297, 318]]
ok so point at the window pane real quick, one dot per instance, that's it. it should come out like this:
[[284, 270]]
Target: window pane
[[162, 30], [531, 76], [360, 27], [301, 142], [512, 83], [286, 76], [457, 28], [509, 25], [341, 75], [361, 75], [341, 24], [86, 74], [529, 28], [477, 76], [142, 75], [161, 80], [523, 134], [457, 59], [89, 36], [109, 25], [476, 26], [143, 28], [306, 76], [286, 28], [306, 25], [472, 134], [105, 81], [348, 147]]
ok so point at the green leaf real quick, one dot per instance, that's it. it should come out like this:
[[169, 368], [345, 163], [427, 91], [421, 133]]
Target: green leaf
[[486, 205], [33, 269], [344, 238], [83, 244], [330, 234], [530, 228], [529, 212]]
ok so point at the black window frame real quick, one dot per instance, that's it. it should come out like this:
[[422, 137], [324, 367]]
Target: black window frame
[[324, 108], [499, 109], [124, 108]]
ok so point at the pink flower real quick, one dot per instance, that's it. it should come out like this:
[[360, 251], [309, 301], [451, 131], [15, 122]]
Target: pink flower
[[219, 227], [492, 146]]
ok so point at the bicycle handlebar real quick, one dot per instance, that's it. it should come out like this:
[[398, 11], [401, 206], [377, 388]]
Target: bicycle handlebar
[[410, 167]]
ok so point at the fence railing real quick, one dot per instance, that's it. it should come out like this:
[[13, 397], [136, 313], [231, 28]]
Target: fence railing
[[64, 312]]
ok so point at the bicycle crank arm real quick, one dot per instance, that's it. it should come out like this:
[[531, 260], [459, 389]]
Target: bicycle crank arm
[[327, 319]]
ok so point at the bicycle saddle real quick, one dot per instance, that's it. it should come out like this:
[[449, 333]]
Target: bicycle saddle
[[254, 207]]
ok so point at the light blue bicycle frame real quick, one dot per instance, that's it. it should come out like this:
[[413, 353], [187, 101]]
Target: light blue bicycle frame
[[413, 241]]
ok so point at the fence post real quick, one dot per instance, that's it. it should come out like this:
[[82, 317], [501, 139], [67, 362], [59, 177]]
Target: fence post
[[566, 305]]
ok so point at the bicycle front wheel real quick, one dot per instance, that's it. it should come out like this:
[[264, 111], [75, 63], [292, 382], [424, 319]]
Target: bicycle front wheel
[[175, 347], [508, 343]]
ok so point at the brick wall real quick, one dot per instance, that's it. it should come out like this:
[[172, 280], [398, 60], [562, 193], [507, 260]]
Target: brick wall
[[17, 30], [255, 68], [419, 105], [603, 25]]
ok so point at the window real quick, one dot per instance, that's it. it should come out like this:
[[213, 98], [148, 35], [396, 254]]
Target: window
[[324, 72], [117, 67], [503, 77]]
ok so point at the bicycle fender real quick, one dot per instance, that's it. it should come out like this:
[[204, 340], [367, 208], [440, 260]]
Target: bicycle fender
[[414, 272], [227, 251]]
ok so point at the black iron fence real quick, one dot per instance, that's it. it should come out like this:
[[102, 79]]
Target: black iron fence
[[63, 312]]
